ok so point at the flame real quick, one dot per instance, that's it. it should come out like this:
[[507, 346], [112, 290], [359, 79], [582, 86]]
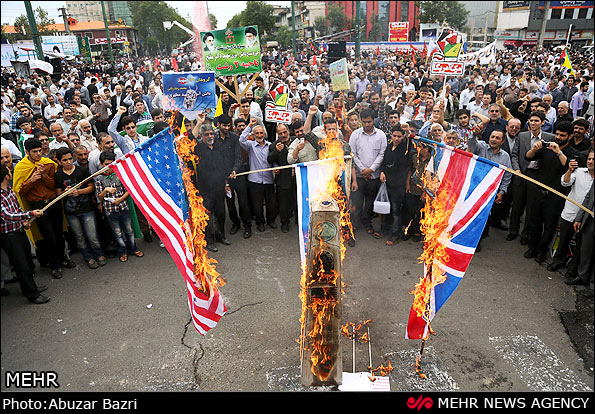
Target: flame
[[434, 221], [206, 275], [332, 147], [322, 305], [383, 370]]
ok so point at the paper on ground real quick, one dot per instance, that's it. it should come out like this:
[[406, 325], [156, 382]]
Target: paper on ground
[[360, 381]]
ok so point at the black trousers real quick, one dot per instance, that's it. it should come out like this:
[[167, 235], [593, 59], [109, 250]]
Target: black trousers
[[363, 200], [239, 191], [261, 193], [394, 220], [545, 209], [518, 187], [51, 228], [215, 204], [566, 234], [286, 199], [17, 248], [412, 207]]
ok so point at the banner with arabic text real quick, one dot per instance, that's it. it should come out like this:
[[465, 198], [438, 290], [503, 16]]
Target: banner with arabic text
[[189, 92], [232, 51]]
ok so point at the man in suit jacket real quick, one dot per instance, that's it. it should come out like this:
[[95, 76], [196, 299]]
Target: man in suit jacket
[[522, 144], [547, 163]]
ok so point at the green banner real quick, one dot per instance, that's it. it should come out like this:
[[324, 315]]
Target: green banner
[[84, 47], [232, 51]]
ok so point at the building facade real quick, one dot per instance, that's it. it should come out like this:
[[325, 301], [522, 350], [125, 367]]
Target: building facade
[[376, 16], [89, 11], [519, 23]]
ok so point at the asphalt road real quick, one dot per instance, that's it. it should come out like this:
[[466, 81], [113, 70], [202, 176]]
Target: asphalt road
[[510, 326]]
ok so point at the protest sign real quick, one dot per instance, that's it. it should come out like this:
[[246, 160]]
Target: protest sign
[[445, 59], [280, 95], [189, 92], [447, 68], [232, 51], [272, 113], [339, 75], [398, 31], [485, 55]]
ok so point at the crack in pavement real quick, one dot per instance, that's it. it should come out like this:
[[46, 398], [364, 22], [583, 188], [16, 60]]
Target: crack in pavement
[[198, 355], [200, 352]]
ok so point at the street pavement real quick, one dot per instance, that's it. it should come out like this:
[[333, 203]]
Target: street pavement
[[510, 326]]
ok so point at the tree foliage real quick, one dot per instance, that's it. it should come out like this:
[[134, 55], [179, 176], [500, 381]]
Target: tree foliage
[[256, 13], [148, 18], [451, 12], [23, 30]]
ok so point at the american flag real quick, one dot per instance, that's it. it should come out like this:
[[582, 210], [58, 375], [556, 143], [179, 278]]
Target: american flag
[[153, 177], [472, 183]]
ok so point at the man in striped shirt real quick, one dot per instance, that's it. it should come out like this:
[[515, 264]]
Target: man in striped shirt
[[14, 240]]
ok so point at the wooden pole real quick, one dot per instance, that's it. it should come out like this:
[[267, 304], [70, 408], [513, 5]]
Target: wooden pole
[[233, 95], [518, 174], [287, 166], [66, 193], [248, 86]]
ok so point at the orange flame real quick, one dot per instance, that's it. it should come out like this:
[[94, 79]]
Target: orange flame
[[323, 305], [207, 277], [383, 370], [433, 224]]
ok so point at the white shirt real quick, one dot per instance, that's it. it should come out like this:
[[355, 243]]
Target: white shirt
[[55, 144], [49, 111], [581, 182]]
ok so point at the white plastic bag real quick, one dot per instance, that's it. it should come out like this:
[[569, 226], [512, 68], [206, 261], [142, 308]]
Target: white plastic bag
[[382, 203]]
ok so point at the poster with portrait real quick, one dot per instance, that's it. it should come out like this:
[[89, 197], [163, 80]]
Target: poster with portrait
[[189, 92], [232, 51]]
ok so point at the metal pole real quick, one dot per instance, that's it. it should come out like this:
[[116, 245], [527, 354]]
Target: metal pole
[[109, 41], [34, 32], [293, 44], [357, 31], [65, 18], [543, 24], [568, 35]]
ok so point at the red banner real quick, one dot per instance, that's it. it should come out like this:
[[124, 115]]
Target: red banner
[[398, 32]]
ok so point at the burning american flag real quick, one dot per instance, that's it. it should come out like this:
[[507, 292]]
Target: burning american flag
[[154, 178]]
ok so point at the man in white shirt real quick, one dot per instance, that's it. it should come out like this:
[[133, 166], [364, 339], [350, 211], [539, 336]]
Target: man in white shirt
[[407, 85], [580, 180], [467, 94], [53, 110], [368, 145], [61, 139]]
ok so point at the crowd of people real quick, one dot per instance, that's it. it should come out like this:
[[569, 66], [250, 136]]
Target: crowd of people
[[524, 111]]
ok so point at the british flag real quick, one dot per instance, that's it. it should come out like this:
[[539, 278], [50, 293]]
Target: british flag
[[472, 183]]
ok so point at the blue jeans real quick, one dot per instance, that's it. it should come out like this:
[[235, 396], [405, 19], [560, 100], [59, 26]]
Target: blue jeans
[[84, 228], [121, 226]]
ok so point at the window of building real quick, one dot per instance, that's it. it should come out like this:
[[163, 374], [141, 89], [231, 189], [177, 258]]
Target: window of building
[[404, 11], [89, 35], [556, 14], [568, 13], [582, 13]]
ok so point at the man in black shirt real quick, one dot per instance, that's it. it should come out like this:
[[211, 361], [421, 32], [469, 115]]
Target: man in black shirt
[[284, 179], [395, 171], [544, 206], [209, 178], [78, 207], [232, 155], [579, 139]]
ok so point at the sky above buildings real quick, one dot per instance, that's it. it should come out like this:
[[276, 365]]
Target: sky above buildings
[[223, 10]]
